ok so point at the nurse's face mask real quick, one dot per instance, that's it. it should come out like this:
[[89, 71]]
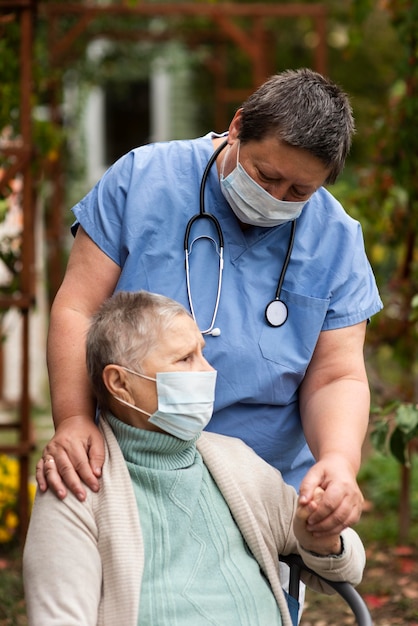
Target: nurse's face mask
[[252, 204]]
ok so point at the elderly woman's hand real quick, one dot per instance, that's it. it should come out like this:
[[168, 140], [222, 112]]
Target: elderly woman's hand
[[322, 544]]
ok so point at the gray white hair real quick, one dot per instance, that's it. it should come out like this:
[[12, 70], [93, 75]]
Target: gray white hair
[[124, 330], [305, 110]]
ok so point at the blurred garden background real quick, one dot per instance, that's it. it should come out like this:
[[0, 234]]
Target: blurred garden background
[[82, 83]]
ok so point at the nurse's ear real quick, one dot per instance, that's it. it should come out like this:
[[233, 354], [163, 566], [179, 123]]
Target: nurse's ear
[[235, 127]]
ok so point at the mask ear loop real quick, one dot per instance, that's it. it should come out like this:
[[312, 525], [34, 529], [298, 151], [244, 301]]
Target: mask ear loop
[[131, 406], [276, 311]]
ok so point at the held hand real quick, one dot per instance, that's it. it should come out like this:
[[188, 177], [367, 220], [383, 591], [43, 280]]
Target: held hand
[[342, 502], [322, 544], [74, 454]]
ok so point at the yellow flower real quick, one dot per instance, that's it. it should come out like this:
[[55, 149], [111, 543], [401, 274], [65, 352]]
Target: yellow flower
[[11, 520], [4, 535], [9, 492]]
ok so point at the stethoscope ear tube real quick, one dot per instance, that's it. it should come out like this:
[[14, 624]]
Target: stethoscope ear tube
[[206, 216], [202, 212], [187, 246]]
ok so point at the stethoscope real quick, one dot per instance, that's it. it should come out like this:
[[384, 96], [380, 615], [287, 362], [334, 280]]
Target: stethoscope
[[276, 311]]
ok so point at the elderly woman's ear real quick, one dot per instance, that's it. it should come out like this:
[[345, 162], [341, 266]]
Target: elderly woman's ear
[[117, 382]]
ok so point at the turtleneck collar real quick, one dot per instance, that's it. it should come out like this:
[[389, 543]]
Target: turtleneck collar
[[152, 449]]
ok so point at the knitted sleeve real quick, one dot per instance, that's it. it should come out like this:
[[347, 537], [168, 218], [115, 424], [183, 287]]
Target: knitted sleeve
[[62, 569], [263, 506]]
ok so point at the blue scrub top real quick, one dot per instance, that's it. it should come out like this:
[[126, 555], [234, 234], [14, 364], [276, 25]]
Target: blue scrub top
[[137, 214]]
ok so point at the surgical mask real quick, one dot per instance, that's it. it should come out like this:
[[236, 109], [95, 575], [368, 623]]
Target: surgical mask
[[254, 205], [185, 402]]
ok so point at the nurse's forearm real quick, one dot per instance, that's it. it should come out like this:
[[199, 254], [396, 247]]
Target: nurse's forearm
[[69, 384], [335, 419]]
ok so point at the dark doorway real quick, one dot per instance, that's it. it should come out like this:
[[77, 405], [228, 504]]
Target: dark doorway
[[127, 117]]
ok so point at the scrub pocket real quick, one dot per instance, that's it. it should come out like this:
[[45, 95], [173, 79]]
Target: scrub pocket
[[290, 347]]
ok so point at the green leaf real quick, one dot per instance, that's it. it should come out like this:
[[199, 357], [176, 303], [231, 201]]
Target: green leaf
[[386, 410], [379, 434], [406, 418], [398, 447]]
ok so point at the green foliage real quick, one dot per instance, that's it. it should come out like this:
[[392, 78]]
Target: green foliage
[[383, 195], [395, 428], [12, 605], [379, 481], [9, 72]]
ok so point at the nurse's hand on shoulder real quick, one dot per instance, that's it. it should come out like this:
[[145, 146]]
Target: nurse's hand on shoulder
[[342, 502], [74, 456]]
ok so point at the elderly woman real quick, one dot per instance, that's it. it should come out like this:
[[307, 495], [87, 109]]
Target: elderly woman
[[187, 527]]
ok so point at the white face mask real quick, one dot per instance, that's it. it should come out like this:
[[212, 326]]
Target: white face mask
[[254, 205], [185, 401]]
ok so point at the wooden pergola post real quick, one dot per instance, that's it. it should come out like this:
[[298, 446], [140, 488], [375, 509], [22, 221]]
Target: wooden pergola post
[[19, 153]]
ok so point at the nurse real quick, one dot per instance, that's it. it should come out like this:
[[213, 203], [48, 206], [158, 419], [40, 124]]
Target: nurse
[[296, 392]]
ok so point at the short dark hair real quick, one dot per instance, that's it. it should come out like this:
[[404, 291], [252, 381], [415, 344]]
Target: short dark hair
[[305, 110]]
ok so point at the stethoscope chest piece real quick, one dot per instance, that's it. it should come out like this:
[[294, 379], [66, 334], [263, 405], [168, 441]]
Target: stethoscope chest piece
[[276, 313]]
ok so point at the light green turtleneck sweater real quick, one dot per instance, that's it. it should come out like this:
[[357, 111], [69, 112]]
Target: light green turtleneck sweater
[[198, 569], [100, 541]]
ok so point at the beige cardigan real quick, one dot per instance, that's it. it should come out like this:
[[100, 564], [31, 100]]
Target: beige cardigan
[[83, 562]]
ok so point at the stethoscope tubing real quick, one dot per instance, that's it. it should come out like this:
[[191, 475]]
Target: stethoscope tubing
[[276, 311], [202, 212], [220, 246], [286, 260]]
